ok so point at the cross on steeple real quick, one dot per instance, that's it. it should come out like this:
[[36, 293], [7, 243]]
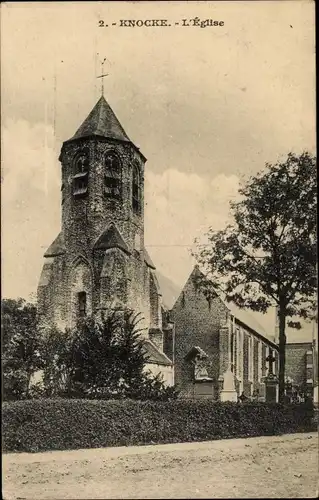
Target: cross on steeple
[[102, 75]]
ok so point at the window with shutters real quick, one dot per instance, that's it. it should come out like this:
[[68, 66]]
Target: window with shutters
[[81, 173], [113, 176]]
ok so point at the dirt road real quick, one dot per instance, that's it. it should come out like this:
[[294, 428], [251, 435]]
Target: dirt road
[[273, 467]]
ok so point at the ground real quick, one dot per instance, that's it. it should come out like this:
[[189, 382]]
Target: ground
[[273, 467]]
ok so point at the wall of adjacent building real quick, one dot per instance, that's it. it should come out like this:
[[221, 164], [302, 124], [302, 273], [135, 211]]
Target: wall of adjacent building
[[197, 323], [249, 361], [209, 325], [296, 362], [167, 372]]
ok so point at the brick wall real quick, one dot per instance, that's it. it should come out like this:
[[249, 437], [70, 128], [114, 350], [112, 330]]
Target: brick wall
[[207, 325], [93, 213], [258, 354], [197, 323], [296, 361], [106, 276]]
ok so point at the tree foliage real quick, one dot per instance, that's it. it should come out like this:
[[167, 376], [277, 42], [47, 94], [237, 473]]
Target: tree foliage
[[100, 359], [20, 347], [267, 256]]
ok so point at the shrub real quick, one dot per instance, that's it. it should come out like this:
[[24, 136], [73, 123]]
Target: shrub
[[100, 358], [60, 424]]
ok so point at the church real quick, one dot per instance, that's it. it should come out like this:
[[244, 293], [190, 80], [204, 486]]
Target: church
[[221, 351], [98, 261]]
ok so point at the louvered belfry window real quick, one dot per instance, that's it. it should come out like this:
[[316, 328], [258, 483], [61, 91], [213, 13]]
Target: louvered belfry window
[[113, 175], [81, 173]]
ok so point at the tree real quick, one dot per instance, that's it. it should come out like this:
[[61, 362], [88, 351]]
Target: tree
[[20, 347], [267, 256], [56, 354], [102, 358]]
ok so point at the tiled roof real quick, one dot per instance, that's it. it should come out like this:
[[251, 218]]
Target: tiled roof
[[154, 355], [101, 122], [241, 315], [111, 238], [56, 248], [244, 317]]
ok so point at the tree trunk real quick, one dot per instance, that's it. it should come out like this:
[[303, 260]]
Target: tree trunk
[[282, 353]]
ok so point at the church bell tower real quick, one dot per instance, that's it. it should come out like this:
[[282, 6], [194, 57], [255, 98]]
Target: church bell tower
[[98, 261], [99, 258], [102, 182]]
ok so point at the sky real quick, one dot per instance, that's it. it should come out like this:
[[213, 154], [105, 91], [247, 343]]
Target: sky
[[207, 106]]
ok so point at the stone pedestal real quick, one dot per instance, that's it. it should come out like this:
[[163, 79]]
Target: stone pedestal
[[229, 393], [203, 389], [271, 388]]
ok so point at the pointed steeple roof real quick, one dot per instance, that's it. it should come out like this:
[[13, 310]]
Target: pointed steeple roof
[[111, 238], [102, 122]]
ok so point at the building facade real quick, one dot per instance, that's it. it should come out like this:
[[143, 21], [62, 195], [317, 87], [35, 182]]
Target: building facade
[[301, 369], [220, 352], [99, 261], [299, 363]]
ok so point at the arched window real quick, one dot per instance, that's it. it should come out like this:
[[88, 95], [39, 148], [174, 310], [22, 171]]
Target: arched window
[[136, 190], [82, 304], [81, 163], [81, 171], [113, 175]]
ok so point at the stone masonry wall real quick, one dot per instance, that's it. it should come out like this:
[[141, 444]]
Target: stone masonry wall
[[197, 323], [93, 213], [83, 221], [296, 361]]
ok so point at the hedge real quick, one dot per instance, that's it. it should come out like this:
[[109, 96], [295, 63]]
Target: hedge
[[60, 424]]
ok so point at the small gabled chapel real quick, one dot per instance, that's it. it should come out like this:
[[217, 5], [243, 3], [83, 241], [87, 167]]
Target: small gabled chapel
[[98, 261]]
